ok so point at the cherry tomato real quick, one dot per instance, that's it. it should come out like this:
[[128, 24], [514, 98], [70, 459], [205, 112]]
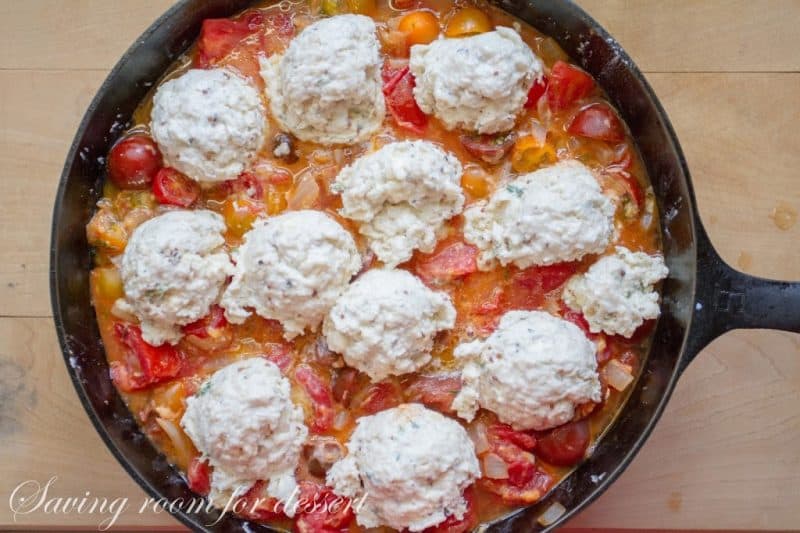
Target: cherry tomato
[[173, 188], [597, 121], [240, 213], [398, 88], [218, 37], [567, 84], [144, 365], [565, 445], [503, 432], [452, 259], [530, 286], [529, 154], [436, 392], [468, 21], [454, 525], [321, 398], [199, 476], [420, 27], [133, 162], [537, 90]]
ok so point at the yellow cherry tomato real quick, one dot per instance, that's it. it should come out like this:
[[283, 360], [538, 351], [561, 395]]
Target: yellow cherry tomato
[[420, 27], [528, 154], [240, 212], [475, 182], [468, 21]]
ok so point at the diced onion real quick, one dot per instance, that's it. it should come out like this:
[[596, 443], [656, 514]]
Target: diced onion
[[477, 433], [553, 513], [305, 194], [617, 375], [341, 420], [494, 467], [180, 441]]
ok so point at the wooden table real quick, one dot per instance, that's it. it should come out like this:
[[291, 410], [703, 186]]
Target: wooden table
[[726, 455]]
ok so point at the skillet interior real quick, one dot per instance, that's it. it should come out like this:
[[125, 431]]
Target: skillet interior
[[142, 66]]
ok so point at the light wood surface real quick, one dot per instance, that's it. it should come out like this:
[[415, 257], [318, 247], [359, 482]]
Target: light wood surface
[[726, 454]]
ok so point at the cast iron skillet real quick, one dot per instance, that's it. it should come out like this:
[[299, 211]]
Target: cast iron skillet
[[702, 298]]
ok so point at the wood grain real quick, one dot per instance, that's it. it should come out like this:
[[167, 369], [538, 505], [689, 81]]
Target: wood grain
[[725, 454], [673, 36]]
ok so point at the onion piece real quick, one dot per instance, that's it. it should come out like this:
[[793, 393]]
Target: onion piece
[[305, 194], [617, 375], [477, 432], [494, 467], [341, 420], [553, 513], [180, 440]]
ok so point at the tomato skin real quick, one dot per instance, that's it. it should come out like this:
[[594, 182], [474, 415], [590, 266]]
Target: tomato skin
[[398, 89], [565, 445], [454, 525], [218, 37], [133, 162], [567, 84], [435, 392], [453, 259], [199, 476], [597, 121], [170, 187], [489, 148], [379, 397], [320, 510], [146, 365], [321, 398], [536, 91]]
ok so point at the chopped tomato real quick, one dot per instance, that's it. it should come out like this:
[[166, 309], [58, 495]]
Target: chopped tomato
[[632, 187], [256, 504], [565, 445], [453, 524], [218, 37], [577, 318], [530, 286], [489, 148], [345, 384], [240, 213], [398, 88], [436, 392], [597, 121], [133, 162], [536, 91], [209, 325], [199, 476], [379, 397], [248, 184], [173, 188], [567, 84], [145, 365], [529, 492], [280, 354], [498, 432], [451, 260], [320, 395], [320, 510], [280, 23]]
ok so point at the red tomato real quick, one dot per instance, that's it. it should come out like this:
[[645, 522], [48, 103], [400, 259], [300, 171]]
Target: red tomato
[[454, 525], [345, 384], [279, 354], [451, 260], [257, 505], [173, 188], [497, 433], [398, 88], [247, 183], [320, 510], [489, 148], [632, 186], [321, 398], [145, 365], [199, 476], [530, 492], [567, 84], [133, 162], [218, 37], [209, 325], [597, 121], [530, 286], [379, 397], [537, 90], [565, 445], [577, 318], [436, 392]]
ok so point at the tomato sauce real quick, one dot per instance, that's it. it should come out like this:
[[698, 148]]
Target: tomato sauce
[[333, 396]]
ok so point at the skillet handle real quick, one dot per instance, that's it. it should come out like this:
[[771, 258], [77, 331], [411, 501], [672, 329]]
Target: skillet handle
[[727, 299]]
